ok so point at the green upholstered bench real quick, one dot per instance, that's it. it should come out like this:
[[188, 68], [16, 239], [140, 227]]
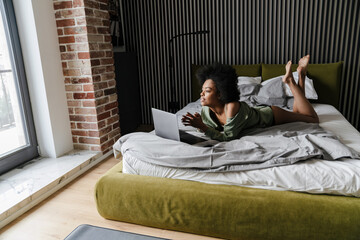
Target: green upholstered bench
[[224, 211]]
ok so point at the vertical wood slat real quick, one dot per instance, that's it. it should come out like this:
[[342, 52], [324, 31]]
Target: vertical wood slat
[[241, 32]]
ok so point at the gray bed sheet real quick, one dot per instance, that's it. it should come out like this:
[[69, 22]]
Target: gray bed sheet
[[261, 148]]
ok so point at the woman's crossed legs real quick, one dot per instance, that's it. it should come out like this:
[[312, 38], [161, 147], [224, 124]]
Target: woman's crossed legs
[[303, 111]]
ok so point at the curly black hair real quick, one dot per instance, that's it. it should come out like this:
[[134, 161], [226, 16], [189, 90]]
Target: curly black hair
[[225, 79]]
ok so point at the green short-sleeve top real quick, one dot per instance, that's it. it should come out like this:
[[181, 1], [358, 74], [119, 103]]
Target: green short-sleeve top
[[247, 117]]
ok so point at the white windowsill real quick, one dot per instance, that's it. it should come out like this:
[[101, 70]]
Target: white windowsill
[[26, 186]]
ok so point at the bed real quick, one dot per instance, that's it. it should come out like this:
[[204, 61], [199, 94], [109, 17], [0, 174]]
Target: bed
[[312, 199]]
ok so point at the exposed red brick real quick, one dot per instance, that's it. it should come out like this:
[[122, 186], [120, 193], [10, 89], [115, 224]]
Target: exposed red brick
[[101, 14], [73, 88], [78, 3], [114, 112], [91, 29], [99, 93], [81, 38], [74, 30], [111, 83], [77, 47], [77, 118], [103, 30], [112, 119], [91, 118], [109, 54], [88, 67], [88, 104], [107, 61], [95, 62], [103, 116], [85, 111], [89, 12], [89, 140], [91, 4], [79, 95], [106, 46], [67, 39], [101, 124], [116, 125], [96, 78], [85, 80], [101, 101], [94, 134], [62, 48], [68, 56], [104, 139], [80, 21], [80, 133], [107, 145], [95, 148], [106, 22], [82, 146], [83, 55], [111, 106], [97, 54], [107, 38], [86, 125], [110, 68], [98, 70], [114, 133], [74, 103], [62, 5], [72, 72], [105, 130], [65, 22], [109, 91], [69, 96], [88, 87], [69, 13], [60, 32], [90, 95]]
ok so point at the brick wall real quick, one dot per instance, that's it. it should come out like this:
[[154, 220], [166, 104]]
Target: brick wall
[[88, 67]]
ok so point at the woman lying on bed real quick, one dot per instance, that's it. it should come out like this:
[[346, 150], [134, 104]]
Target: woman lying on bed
[[223, 117]]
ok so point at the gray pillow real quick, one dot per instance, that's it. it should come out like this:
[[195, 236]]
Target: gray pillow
[[270, 93]]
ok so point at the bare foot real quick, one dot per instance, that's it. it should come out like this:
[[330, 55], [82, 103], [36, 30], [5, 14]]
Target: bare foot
[[301, 70], [288, 77], [303, 63]]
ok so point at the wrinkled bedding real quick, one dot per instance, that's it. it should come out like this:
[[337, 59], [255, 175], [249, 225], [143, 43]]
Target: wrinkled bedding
[[339, 177], [263, 148]]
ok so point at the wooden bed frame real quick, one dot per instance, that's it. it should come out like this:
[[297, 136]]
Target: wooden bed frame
[[233, 212]]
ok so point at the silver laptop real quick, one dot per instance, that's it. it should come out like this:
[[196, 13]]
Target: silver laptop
[[166, 126]]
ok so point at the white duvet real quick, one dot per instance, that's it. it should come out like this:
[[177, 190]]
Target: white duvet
[[313, 176]]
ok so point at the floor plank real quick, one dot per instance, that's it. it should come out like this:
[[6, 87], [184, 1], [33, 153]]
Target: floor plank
[[72, 206]]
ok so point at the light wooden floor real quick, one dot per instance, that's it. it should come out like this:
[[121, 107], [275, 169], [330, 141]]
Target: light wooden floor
[[72, 206]]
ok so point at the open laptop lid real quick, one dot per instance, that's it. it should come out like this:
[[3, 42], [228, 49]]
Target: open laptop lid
[[166, 124]]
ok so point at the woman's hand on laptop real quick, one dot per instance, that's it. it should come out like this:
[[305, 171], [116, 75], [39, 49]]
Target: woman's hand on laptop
[[194, 120]]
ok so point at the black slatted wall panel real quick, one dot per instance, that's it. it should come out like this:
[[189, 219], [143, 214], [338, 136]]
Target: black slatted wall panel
[[241, 32]]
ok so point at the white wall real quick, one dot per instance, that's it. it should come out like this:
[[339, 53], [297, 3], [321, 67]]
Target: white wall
[[39, 42]]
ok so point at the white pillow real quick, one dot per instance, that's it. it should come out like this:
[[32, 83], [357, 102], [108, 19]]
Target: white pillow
[[310, 92], [249, 80]]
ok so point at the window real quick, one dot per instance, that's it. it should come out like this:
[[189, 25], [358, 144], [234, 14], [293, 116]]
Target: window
[[17, 135]]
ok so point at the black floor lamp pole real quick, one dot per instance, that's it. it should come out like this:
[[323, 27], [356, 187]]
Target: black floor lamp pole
[[173, 104]]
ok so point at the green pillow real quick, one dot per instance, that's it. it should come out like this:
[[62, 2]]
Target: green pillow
[[326, 78], [253, 70]]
